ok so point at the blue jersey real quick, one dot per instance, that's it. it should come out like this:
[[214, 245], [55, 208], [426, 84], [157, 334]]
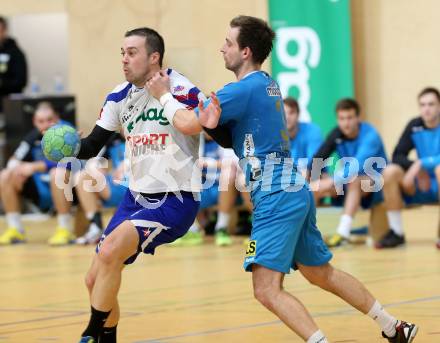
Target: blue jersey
[[305, 144], [367, 144], [253, 112], [426, 142]]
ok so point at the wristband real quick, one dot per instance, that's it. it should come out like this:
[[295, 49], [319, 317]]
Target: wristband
[[165, 98], [170, 107]]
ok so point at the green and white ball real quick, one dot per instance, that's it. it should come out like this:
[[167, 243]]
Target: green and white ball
[[60, 141]]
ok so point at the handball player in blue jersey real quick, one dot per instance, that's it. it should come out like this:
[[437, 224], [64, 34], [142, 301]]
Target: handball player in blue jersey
[[357, 182], [248, 115], [414, 181]]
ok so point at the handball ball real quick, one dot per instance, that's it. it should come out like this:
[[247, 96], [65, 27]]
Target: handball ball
[[60, 141]]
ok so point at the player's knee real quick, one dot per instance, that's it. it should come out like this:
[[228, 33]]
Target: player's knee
[[265, 295], [107, 254], [320, 276], [5, 175], [391, 172], [89, 281]]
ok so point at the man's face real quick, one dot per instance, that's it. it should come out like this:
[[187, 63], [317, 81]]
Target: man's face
[[231, 51], [429, 107], [291, 117], [44, 119], [348, 122], [135, 61]]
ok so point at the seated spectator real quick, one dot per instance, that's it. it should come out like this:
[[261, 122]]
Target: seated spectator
[[414, 181], [352, 138], [30, 175], [111, 194], [305, 138]]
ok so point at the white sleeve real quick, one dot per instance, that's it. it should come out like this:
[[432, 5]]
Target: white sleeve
[[184, 90], [109, 116]]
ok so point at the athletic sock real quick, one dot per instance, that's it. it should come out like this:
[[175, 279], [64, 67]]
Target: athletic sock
[[95, 218], [194, 228], [13, 219], [345, 225], [65, 221], [317, 337], [108, 335], [96, 323], [395, 221], [222, 220], [386, 321]]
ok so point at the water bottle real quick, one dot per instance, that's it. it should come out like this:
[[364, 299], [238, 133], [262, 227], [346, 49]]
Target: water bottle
[[35, 86], [58, 84]]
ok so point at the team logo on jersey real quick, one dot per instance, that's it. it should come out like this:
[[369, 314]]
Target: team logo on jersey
[[178, 89], [251, 249], [152, 114], [148, 144], [273, 89], [248, 145]]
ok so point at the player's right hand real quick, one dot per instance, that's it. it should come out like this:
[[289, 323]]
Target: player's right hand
[[209, 116]]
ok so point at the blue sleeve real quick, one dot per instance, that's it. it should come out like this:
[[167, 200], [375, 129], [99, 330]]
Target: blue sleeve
[[370, 146], [313, 143], [233, 100], [430, 163]]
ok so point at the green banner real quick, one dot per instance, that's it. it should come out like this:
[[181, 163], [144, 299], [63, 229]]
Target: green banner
[[312, 58]]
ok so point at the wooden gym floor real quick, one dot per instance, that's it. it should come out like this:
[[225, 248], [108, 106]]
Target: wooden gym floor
[[201, 294]]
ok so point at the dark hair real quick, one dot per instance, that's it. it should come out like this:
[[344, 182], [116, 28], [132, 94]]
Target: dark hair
[[4, 22], [429, 90], [254, 34], [153, 40], [292, 103], [348, 104]]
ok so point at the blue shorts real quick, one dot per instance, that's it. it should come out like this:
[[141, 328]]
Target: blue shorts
[[159, 218], [209, 197], [284, 232], [429, 197], [117, 192]]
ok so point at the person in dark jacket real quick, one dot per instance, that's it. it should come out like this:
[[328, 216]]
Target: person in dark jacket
[[13, 67]]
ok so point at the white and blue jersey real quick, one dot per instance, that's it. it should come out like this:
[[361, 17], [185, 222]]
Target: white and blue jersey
[[305, 144], [284, 230], [162, 198]]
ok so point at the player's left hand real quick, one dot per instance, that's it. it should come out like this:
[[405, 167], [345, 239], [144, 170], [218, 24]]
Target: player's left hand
[[159, 84], [423, 180], [408, 182], [209, 116]]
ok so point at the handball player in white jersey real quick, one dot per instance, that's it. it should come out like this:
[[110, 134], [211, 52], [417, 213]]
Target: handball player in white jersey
[[161, 201]]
